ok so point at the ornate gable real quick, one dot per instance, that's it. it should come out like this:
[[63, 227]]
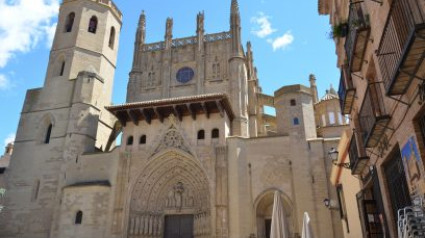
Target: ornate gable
[[172, 139]]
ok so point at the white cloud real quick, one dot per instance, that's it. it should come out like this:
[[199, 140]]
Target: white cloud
[[282, 42], [4, 82], [263, 25], [23, 23], [50, 33], [9, 139]]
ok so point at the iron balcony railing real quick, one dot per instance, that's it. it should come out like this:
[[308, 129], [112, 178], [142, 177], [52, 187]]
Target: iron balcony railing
[[373, 117], [358, 35], [400, 52], [346, 91], [357, 162]]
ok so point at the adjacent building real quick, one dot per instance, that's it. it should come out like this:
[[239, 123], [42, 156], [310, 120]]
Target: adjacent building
[[198, 158], [380, 47]]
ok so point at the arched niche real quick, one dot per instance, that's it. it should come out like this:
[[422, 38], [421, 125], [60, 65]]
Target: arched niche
[[264, 209], [172, 183]]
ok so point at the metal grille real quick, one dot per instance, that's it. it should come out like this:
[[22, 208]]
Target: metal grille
[[402, 19], [422, 126], [397, 185]]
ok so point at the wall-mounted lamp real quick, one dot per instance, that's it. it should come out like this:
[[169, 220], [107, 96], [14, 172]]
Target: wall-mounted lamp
[[330, 204], [333, 156]]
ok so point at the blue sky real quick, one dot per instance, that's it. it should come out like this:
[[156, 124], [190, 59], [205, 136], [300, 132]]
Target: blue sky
[[289, 40]]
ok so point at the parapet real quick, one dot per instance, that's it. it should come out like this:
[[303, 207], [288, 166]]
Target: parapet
[[108, 3], [297, 88]]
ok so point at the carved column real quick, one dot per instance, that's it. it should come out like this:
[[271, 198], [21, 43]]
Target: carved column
[[222, 220]]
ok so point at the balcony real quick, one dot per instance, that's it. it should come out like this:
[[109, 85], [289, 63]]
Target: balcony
[[358, 36], [401, 50], [346, 91], [373, 117], [357, 163]]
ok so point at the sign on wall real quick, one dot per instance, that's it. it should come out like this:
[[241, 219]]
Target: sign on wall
[[413, 167]]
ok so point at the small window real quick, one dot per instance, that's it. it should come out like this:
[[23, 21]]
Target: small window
[[296, 121], [62, 68], [112, 38], [201, 135], [69, 22], [142, 140], [79, 217], [130, 140], [215, 134], [332, 118], [48, 134], [293, 102], [93, 25]]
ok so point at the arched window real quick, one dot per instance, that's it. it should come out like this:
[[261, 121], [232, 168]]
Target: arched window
[[69, 22], [296, 121], [48, 134], [142, 140], [112, 38], [62, 68], [293, 102], [79, 217], [130, 140], [93, 24], [215, 133], [201, 135]]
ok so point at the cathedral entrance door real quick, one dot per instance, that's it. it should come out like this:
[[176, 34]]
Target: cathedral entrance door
[[178, 226]]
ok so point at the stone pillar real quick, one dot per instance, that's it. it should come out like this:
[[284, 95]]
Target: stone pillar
[[222, 218]]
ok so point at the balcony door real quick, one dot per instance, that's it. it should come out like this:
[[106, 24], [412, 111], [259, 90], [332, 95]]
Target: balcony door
[[397, 184], [178, 226]]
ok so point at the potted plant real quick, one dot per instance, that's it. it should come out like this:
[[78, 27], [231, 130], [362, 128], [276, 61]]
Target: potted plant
[[339, 30]]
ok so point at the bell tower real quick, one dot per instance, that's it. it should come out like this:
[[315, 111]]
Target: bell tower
[[66, 117]]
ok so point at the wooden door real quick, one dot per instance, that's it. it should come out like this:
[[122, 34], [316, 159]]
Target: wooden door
[[178, 226]]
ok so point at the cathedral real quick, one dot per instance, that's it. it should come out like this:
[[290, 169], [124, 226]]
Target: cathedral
[[199, 157]]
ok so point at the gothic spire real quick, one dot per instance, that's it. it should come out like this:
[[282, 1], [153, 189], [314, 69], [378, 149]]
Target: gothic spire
[[168, 33], [235, 7], [235, 28], [141, 29]]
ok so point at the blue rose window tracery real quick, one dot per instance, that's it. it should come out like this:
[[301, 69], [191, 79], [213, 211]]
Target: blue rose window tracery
[[185, 74]]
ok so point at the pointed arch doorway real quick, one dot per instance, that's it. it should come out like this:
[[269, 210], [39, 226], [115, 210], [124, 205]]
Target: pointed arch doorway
[[170, 199], [264, 210]]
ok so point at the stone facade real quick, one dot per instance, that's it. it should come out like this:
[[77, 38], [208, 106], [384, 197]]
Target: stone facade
[[380, 49], [197, 147]]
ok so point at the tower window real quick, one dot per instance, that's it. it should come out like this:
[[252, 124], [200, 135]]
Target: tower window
[[215, 134], [48, 134], [332, 118], [62, 68], [201, 135], [296, 121], [130, 140], [69, 22], [112, 38], [142, 140], [79, 217], [293, 102], [93, 25]]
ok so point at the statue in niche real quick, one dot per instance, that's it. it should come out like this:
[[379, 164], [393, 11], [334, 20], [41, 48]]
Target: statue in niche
[[175, 196], [189, 200], [178, 192]]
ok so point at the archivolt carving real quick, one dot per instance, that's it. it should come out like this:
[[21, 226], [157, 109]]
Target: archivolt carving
[[170, 184]]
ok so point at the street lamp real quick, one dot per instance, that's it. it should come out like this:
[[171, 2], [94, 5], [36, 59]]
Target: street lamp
[[333, 156], [330, 204]]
